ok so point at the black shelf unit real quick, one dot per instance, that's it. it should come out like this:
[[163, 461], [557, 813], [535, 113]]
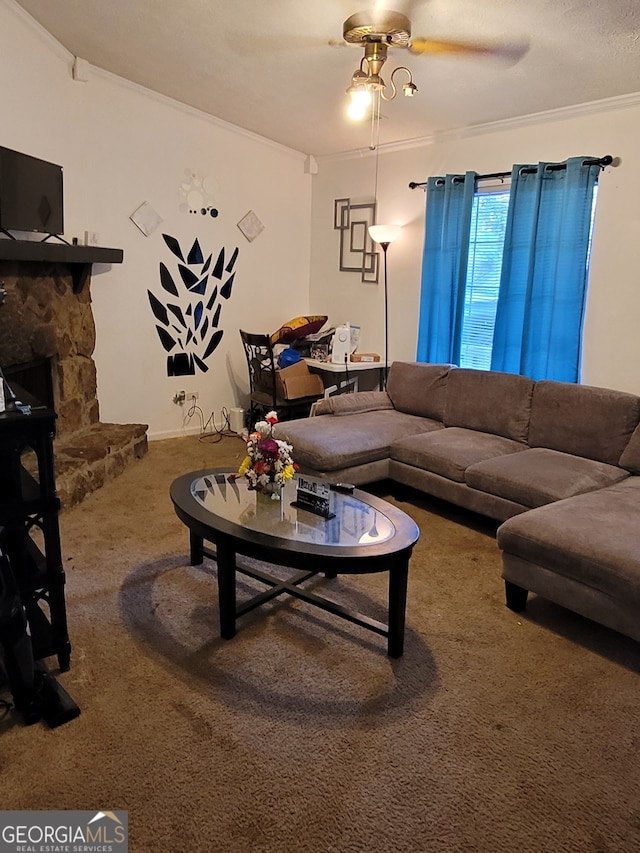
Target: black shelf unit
[[29, 530]]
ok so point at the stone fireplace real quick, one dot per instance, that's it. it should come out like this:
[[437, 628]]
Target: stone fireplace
[[47, 339]]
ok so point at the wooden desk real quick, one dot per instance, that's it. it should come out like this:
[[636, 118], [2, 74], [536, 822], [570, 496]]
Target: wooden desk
[[338, 378]]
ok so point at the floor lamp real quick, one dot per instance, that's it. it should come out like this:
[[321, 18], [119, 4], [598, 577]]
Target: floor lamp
[[384, 235]]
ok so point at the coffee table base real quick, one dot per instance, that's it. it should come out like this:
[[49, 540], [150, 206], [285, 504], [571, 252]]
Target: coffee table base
[[225, 557]]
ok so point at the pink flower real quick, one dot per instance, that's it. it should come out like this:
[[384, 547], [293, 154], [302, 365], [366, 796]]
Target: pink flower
[[269, 448]]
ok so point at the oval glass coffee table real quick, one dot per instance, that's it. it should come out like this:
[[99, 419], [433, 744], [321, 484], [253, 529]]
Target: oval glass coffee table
[[366, 535]]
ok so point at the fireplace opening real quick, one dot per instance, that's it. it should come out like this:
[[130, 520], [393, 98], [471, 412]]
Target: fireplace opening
[[35, 377]]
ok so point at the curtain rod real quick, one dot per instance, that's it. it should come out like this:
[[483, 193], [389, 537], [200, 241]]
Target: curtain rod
[[607, 160]]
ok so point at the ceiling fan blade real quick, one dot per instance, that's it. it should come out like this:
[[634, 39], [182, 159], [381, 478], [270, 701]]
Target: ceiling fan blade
[[441, 47]]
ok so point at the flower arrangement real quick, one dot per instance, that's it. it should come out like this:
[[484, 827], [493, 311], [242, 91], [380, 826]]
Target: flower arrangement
[[268, 464]]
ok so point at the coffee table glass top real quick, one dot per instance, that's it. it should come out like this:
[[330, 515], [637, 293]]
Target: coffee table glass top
[[355, 522]]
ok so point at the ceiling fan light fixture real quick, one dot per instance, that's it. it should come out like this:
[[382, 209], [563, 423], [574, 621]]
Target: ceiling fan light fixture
[[359, 97], [409, 89]]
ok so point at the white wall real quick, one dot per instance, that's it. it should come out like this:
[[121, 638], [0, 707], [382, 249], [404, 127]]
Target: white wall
[[121, 145], [611, 346]]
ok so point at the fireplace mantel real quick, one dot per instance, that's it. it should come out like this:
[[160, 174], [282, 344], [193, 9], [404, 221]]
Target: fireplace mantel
[[79, 258]]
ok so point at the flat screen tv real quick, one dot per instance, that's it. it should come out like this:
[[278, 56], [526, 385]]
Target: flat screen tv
[[30, 194]]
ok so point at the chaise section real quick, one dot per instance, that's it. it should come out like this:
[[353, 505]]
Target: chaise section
[[581, 553], [327, 445]]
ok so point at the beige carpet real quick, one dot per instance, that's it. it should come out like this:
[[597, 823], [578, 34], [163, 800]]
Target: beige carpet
[[494, 732]]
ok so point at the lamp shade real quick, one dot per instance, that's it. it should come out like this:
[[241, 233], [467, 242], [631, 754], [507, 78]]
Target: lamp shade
[[384, 233]]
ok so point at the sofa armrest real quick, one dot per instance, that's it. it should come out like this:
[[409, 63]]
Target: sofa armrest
[[351, 404]]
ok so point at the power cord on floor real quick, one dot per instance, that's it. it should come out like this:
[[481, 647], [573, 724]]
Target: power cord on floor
[[209, 432]]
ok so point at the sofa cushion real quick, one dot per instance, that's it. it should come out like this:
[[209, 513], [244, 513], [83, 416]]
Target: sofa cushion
[[488, 401], [450, 451], [326, 443], [352, 404], [596, 423], [630, 458], [540, 476], [419, 389], [590, 538]]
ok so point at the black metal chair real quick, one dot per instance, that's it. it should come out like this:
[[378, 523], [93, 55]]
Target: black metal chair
[[263, 387]]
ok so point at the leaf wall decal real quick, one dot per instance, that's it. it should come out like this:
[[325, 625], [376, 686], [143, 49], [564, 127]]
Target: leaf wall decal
[[207, 265], [216, 317], [195, 255], [197, 314], [214, 296], [200, 287], [175, 309], [159, 311], [203, 330], [203, 367], [165, 338], [213, 343], [225, 291], [174, 246], [219, 268], [188, 277], [166, 281], [233, 259]]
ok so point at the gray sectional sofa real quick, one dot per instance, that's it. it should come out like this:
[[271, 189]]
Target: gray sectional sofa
[[554, 462]]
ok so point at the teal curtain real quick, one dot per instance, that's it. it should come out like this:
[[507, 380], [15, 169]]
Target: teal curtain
[[444, 267], [543, 285]]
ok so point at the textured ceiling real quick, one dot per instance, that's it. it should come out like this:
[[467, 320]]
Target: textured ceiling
[[267, 65]]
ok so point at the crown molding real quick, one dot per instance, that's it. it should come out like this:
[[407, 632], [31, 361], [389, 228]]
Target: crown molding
[[589, 108]]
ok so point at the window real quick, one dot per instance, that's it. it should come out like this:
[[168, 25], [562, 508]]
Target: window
[[486, 240]]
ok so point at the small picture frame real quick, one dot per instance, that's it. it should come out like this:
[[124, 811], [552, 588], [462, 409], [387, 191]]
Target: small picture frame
[[250, 226], [146, 218]]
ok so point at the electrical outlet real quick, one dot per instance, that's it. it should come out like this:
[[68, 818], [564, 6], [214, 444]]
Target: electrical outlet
[[192, 395], [180, 397]]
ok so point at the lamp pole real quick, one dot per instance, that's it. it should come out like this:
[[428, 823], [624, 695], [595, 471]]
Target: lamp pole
[[385, 246], [383, 235]]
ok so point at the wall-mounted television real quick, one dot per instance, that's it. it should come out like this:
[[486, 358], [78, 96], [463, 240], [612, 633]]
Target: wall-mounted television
[[31, 197]]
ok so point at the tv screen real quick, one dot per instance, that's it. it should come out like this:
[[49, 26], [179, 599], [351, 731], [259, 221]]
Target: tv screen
[[30, 194]]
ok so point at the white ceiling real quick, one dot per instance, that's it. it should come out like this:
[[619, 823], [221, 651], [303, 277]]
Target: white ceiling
[[267, 65]]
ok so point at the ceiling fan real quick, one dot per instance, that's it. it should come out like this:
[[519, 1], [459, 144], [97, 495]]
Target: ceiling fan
[[379, 29]]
